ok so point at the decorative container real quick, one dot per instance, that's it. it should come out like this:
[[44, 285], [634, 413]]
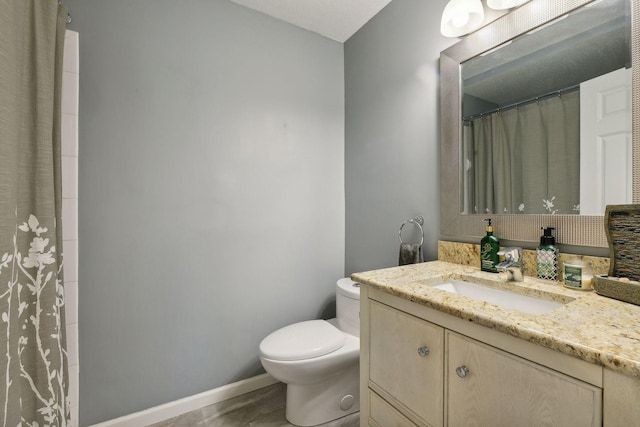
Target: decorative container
[[622, 226]]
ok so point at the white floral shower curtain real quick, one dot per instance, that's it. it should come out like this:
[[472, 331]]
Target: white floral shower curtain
[[33, 361], [525, 160]]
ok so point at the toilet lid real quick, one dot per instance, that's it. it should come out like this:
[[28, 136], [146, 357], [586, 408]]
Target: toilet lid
[[348, 288], [304, 340]]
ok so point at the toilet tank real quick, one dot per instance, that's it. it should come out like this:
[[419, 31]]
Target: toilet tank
[[348, 306]]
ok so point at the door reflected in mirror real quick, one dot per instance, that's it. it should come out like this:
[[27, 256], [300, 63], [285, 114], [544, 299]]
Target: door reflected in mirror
[[546, 118]]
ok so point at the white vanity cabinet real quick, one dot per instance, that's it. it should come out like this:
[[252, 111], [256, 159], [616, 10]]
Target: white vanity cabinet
[[621, 399], [490, 387], [405, 362], [422, 367]]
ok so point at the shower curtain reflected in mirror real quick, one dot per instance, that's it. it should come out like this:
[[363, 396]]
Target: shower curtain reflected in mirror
[[524, 160], [33, 361]]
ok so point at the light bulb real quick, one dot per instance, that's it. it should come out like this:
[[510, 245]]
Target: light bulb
[[460, 17], [504, 4], [460, 20]]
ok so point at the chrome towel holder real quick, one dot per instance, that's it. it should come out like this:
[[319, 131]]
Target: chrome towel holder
[[418, 221]]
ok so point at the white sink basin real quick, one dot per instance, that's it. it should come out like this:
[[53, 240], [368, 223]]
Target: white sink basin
[[499, 297]]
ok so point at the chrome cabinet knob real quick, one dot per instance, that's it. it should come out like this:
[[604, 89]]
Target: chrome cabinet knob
[[423, 351], [462, 371]]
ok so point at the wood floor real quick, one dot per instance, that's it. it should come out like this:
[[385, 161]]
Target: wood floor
[[260, 408]]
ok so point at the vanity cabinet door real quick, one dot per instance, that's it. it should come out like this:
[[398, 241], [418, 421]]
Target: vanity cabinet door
[[406, 363], [620, 400], [489, 387]]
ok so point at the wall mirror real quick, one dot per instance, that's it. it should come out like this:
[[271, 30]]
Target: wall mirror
[[523, 102]]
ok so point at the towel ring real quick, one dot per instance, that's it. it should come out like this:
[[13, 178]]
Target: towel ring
[[418, 221]]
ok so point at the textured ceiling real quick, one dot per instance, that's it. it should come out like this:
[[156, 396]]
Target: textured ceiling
[[335, 19]]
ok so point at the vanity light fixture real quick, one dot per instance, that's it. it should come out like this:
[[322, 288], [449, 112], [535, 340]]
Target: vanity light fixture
[[461, 17], [504, 4]]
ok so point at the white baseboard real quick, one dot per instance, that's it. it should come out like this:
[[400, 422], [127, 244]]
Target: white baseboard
[[187, 404]]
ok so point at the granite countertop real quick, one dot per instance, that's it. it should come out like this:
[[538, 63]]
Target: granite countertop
[[591, 327]]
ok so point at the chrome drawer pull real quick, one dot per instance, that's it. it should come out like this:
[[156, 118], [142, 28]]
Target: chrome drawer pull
[[462, 371], [423, 351]]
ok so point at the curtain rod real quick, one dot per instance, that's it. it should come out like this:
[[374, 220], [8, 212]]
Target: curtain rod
[[68, 14], [526, 101]]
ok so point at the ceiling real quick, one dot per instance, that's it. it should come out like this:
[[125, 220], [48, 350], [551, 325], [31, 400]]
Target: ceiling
[[335, 19]]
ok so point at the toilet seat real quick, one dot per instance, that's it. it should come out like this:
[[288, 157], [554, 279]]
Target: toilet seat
[[301, 341]]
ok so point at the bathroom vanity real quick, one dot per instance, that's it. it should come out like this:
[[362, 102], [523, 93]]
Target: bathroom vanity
[[435, 358]]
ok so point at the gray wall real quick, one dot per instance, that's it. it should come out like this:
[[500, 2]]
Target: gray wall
[[392, 131], [211, 193]]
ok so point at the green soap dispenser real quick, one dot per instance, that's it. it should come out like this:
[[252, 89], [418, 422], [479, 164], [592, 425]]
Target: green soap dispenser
[[547, 256], [489, 247]]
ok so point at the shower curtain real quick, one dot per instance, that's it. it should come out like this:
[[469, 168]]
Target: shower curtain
[[524, 160], [33, 361]]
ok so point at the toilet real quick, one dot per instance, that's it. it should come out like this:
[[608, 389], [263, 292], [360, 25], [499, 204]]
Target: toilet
[[319, 361]]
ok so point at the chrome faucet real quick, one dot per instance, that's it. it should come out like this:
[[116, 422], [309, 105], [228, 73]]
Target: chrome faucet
[[513, 264]]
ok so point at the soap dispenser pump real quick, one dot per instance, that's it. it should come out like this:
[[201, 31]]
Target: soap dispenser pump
[[547, 255], [489, 248]]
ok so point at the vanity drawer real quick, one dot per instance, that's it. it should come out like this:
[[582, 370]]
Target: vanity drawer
[[381, 414], [406, 362]]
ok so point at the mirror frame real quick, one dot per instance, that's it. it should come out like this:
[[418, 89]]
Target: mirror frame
[[578, 230]]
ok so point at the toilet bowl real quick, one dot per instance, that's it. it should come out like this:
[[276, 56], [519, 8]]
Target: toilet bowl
[[319, 361]]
